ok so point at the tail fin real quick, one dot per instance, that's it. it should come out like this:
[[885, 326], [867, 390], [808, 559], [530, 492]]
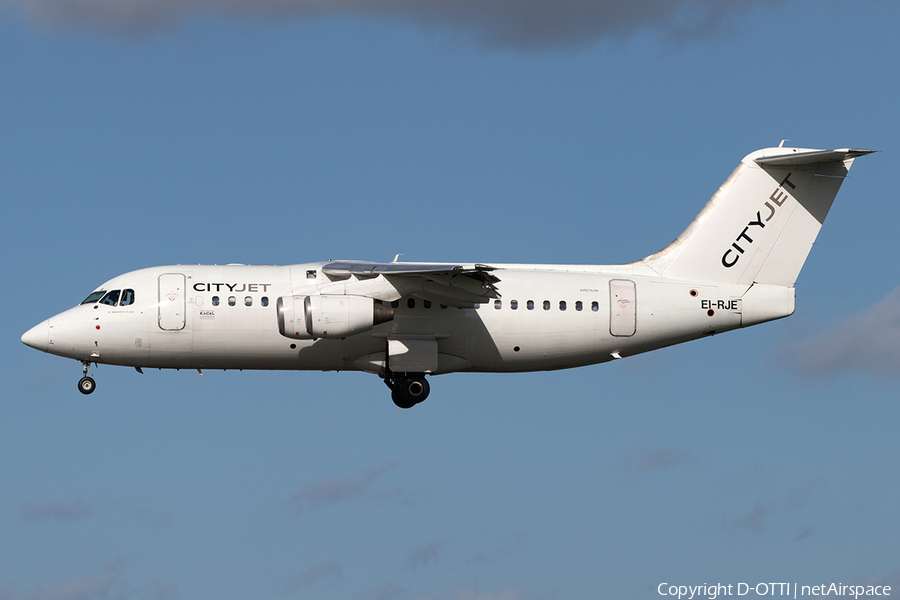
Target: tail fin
[[761, 224]]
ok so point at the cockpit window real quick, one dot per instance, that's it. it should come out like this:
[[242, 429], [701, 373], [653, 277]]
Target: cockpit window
[[112, 298], [93, 297], [127, 298]]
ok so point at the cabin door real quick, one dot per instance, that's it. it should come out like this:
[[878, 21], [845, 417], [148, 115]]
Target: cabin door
[[171, 301]]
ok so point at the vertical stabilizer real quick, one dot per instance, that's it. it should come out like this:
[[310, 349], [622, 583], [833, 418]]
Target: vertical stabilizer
[[761, 224]]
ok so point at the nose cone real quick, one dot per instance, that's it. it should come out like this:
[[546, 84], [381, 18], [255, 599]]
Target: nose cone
[[37, 337]]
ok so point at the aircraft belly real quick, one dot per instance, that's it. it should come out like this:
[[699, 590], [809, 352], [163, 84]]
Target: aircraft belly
[[122, 343]]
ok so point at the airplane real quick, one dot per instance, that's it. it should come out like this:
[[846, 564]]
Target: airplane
[[734, 266]]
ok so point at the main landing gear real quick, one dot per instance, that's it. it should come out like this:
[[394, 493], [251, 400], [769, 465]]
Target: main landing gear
[[86, 384], [407, 389]]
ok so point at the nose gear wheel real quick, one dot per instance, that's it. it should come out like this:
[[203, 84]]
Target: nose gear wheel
[[86, 385]]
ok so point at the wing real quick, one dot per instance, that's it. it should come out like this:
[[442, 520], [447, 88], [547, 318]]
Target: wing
[[449, 284]]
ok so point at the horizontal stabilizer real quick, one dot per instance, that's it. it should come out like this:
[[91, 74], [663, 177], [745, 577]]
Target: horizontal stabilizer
[[814, 157]]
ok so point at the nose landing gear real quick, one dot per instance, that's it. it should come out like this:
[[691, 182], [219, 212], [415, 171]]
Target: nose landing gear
[[86, 384], [407, 389]]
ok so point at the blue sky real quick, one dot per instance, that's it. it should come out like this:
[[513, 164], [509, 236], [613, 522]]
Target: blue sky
[[281, 132]]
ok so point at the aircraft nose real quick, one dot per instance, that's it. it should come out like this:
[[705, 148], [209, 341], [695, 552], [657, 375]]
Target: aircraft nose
[[37, 337]]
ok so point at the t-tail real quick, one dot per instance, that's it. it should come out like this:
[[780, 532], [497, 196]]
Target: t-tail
[[759, 227]]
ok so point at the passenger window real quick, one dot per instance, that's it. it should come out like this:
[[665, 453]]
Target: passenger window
[[579, 305], [562, 305], [311, 274], [231, 301], [264, 301], [595, 306], [127, 298], [111, 299], [546, 305], [411, 303], [498, 304], [530, 305], [514, 304], [93, 297], [395, 304], [248, 301], [443, 306], [427, 303], [215, 301]]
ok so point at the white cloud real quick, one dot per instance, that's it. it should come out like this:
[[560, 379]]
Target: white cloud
[[517, 23], [867, 342]]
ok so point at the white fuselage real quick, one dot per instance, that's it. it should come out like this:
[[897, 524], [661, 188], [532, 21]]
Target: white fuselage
[[735, 265], [548, 317]]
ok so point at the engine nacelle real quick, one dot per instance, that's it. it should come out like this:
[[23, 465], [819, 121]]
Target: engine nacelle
[[311, 317]]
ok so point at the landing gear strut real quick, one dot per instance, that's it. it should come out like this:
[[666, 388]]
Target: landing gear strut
[[86, 384], [407, 389]]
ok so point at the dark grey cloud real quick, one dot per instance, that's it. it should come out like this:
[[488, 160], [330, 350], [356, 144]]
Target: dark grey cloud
[[423, 555], [509, 593], [515, 23], [327, 571], [388, 591], [798, 496], [795, 498], [150, 516], [892, 579], [155, 592], [318, 494], [755, 519], [75, 510], [867, 342], [93, 587], [507, 548], [646, 460]]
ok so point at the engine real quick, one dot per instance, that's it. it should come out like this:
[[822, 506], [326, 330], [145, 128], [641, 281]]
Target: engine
[[311, 317]]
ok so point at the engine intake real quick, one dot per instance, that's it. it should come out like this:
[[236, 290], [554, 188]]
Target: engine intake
[[311, 317]]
